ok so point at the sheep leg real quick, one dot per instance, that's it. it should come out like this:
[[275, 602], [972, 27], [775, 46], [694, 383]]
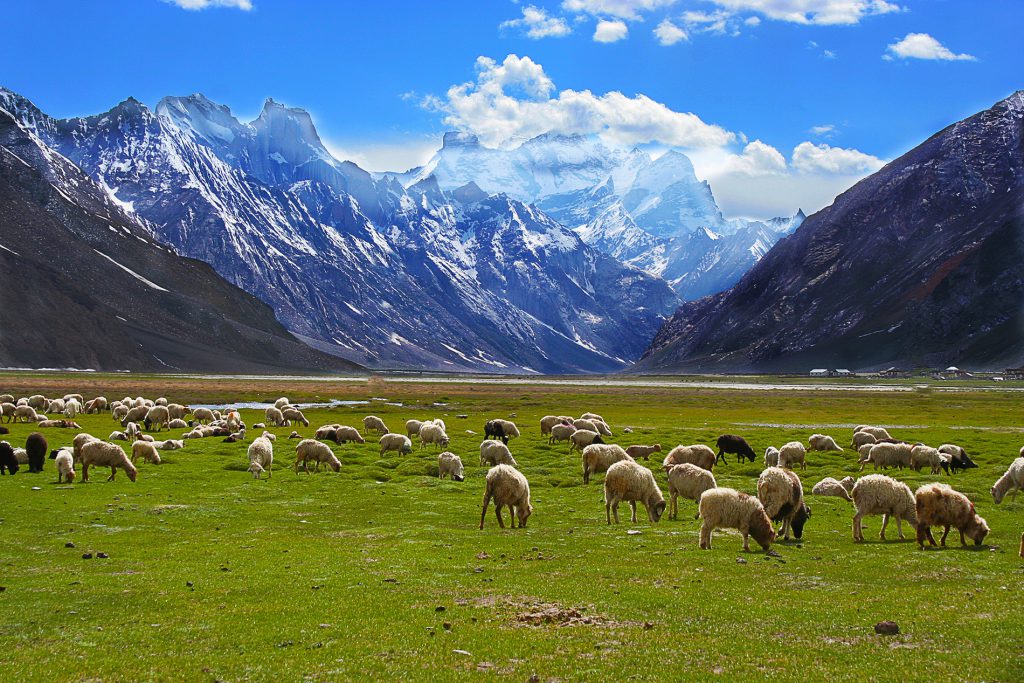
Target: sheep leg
[[746, 542], [483, 513], [113, 471], [586, 474], [673, 508], [632, 507], [785, 529], [513, 514], [858, 533], [945, 532], [85, 471], [963, 541], [705, 536], [497, 512], [608, 510], [720, 456], [899, 527], [885, 523]]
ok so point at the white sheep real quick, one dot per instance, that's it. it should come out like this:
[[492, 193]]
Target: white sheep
[[886, 455], [940, 505], [791, 454], [376, 424], [589, 425], [176, 411], [450, 464], [412, 427], [628, 481], [294, 415], [431, 433], [637, 451], [697, 454], [104, 454], [275, 417], [823, 442], [157, 416], [508, 487], [169, 445], [177, 423], [282, 403], [782, 496], [395, 442], [877, 494], [203, 415], [861, 438], [1012, 480], [311, 450], [771, 457], [549, 421], [602, 428], [561, 432], [261, 457], [55, 405], [496, 453], [725, 508], [598, 457], [25, 414], [688, 481], [65, 463], [921, 456], [72, 408], [831, 487], [145, 450], [593, 416], [878, 432], [582, 438], [344, 434], [79, 441]]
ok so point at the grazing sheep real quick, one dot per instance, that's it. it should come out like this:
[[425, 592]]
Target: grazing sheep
[[730, 443], [861, 438], [431, 433], [593, 416], [119, 413], [8, 410], [496, 453], [725, 508], [376, 424], [878, 432], [412, 427], [25, 414], [261, 457], [500, 429], [1012, 480], [135, 415], [959, 460], [158, 416], [792, 453], [176, 411], [549, 421], [6, 398], [311, 450], [145, 450], [169, 445], [282, 403], [823, 442], [132, 431], [581, 438], [636, 451], [886, 455], [36, 447], [177, 423], [688, 481], [37, 401], [940, 505], [878, 494], [561, 432], [103, 454], [697, 454], [325, 432], [72, 408], [602, 428], [598, 457], [450, 464], [65, 463], [275, 417], [294, 415], [344, 434], [508, 487], [921, 455], [8, 461], [771, 457], [56, 405], [831, 487], [79, 441], [395, 442], [631, 482], [203, 415], [782, 496], [589, 425]]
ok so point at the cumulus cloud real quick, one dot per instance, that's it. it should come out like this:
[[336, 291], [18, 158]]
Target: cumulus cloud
[[811, 158], [668, 33], [823, 131], [923, 46], [516, 99], [822, 12], [538, 24], [757, 159], [610, 31], [622, 9], [204, 4]]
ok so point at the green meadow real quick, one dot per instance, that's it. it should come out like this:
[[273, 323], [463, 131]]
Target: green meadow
[[379, 572]]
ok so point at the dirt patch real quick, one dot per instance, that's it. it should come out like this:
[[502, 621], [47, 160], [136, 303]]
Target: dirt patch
[[552, 614], [161, 509]]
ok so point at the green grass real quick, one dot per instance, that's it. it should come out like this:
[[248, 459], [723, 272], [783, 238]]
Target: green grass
[[341, 576]]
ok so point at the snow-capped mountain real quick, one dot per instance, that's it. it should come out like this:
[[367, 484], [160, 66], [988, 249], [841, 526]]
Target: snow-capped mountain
[[421, 275]]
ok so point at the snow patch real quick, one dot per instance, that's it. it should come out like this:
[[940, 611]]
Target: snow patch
[[131, 272]]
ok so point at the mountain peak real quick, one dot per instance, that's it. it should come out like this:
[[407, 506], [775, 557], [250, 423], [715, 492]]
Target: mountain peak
[[454, 138]]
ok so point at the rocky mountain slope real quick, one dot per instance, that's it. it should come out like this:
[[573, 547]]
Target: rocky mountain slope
[[918, 264], [86, 286]]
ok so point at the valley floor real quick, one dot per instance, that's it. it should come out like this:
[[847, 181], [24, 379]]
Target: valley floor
[[379, 571]]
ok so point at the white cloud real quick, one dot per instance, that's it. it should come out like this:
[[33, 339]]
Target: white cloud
[[923, 46], [396, 155], [623, 9], [610, 31], [515, 99], [825, 12], [823, 131], [709, 22], [668, 33], [539, 24], [811, 158], [204, 4], [757, 159], [753, 21]]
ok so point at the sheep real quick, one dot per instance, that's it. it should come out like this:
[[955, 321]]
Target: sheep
[[203, 415], [959, 460], [376, 424], [145, 450], [940, 505], [861, 438], [823, 442], [598, 457], [137, 414], [450, 464], [549, 421], [589, 425], [61, 424], [22, 402], [395, 442], [72, 408], [261, 457], [274, 417], [119, 413], [132, 431], [771, 457], [730, 443], [581, 438], [831, 487], [878, 432], [294, 415], [8, 410], [496, 453], [636, 451], [431, 433], [102, 453], [602, 428], [37, 401], [688, 481], [593, 416], [728, 508], [6, 398], [146, 437], [169, 445], [698, 454], [157, 415], [344, 434], [921, 455], [886, 455], [79, 441], [782, 496], [282, 403], [56, 405], [792, 453], [326, 432], [311, 450], [508, 487], [176, 411], [500, 429], [36, 448], [22, 456], [561, 432], [177, 423], [631, 482], [8, 461], [65, 463], [878, 494], [25, 414], [1012, 480], [412, 427]]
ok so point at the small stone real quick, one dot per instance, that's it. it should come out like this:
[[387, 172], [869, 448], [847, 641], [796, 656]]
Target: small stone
[[447, 626], [482, 555], [390, 580], [37, 488], [86, 556], [324, 625], [741, 560], [634, 532], [887, 628], [69, 544], [102, 556], [440, 608], [478, 570], [189, 584], [534, 678], [316, 588], [3, 588], [463, 652], [648, 626]]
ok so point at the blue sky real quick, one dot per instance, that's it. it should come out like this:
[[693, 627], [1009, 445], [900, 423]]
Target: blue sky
[[781, 103]]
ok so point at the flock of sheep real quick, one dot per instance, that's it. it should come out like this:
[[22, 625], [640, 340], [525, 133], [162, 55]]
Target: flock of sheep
[[688, 469]]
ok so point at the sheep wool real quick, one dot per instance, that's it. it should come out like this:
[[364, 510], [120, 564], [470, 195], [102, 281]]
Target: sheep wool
[[698, 454], [104, 454], [395, 442], [1012, 480], [831, 487], [311, 450], [508, 488], [782, 495], [261, 457], [877, 494], [791, 454], [725, 508], [598, 457], [940, 505], [628, 481], [65, 463], [496, 453], [451, 465], [822, 442], [688, 481]]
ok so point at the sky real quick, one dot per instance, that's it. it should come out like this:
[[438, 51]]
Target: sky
[[780, 103]]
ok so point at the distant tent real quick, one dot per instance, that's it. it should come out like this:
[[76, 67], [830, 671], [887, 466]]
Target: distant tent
[[819, 372]]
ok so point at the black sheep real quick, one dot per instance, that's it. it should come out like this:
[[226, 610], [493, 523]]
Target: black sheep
[[36, 448], [8, 462], [960, 461], [494, 428], [730, 443]]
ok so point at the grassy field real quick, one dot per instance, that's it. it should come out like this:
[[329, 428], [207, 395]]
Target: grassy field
[[379, 572]]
